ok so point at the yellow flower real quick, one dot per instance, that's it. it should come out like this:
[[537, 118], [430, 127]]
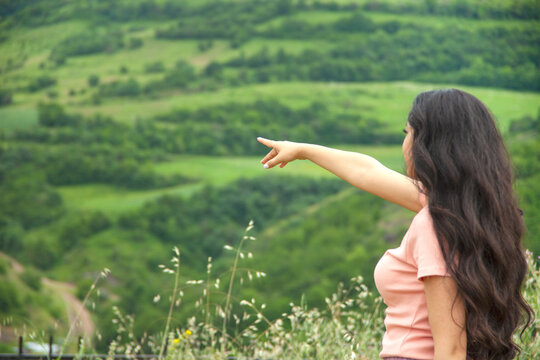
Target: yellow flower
[[188, 332], [176, 341]]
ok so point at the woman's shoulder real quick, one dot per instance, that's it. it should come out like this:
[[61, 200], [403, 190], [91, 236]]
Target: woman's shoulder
[[422, 220]]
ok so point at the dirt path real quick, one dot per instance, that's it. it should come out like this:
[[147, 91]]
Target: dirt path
[[79, 317]]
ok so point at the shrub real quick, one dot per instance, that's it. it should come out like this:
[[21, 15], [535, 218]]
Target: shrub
[[181, 75], [93, 80], [52, 94], [41, 82], [6, 97], [87, 42], [53, 115], [135, 43], [121, 88], [3, 266], [154, 67], [10, 302], [32, 278]]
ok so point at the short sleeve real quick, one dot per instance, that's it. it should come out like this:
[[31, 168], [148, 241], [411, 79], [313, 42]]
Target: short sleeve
[[424, 249]]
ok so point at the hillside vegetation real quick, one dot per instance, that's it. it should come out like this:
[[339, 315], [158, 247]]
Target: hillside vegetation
[[129, 127]]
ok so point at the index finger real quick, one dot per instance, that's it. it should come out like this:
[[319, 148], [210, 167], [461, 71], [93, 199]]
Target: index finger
[[267, 142]]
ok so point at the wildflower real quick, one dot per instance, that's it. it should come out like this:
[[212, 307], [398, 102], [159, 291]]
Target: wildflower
[[188, 332], [176, 341]]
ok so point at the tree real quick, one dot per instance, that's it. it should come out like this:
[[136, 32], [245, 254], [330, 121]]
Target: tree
[[6, 97], [93, 80]]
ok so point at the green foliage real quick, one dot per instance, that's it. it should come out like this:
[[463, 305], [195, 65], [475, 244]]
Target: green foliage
[[20, 188], [32, 278], [83, 287], [10, 303], [53, 115], [454, 54], [41, 82], [181, 75], [214, 216], [525, 151], [154, 67], [135, 43], [3, 266], [231, 128], [88, 42], [356, 23], [93, 80], [129, 87], [42, 251], [11, 233], [6, 97], [77, 228]]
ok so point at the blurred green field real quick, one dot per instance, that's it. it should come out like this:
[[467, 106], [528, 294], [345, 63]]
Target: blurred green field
[[387, 102], [327, 17], [13, 118], [216, 171]]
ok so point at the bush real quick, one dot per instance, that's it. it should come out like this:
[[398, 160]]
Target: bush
[[10, 302], [53, 115], [121, 88], [3, 266], [11, 233], [135, 43], [154, 67], [83, 287], [6, 97], [32, 278], [93, 80], [180, 76], [87, 42], [52, 94], [41, 83]]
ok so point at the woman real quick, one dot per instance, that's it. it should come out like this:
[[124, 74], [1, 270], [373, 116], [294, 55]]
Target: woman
[[452, 288]]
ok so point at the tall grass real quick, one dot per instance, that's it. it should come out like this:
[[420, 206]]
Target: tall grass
[[350, 327]]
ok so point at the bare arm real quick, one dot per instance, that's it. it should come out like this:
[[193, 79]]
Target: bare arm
[[360, 170], [446, 318]]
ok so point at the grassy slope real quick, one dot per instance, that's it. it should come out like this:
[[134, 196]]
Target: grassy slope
[[35, 44], [388, 102], [44, 309]]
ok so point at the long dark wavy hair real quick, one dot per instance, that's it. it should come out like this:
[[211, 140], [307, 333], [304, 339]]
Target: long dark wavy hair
[[459, 158]]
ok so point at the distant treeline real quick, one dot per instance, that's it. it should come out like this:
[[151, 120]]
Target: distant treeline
[[495, 55], [38, 12]]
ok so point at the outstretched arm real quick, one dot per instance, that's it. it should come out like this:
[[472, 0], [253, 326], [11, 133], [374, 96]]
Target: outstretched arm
[[360, 170]]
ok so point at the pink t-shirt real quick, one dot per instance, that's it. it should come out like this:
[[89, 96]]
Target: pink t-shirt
[[398, 277]]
